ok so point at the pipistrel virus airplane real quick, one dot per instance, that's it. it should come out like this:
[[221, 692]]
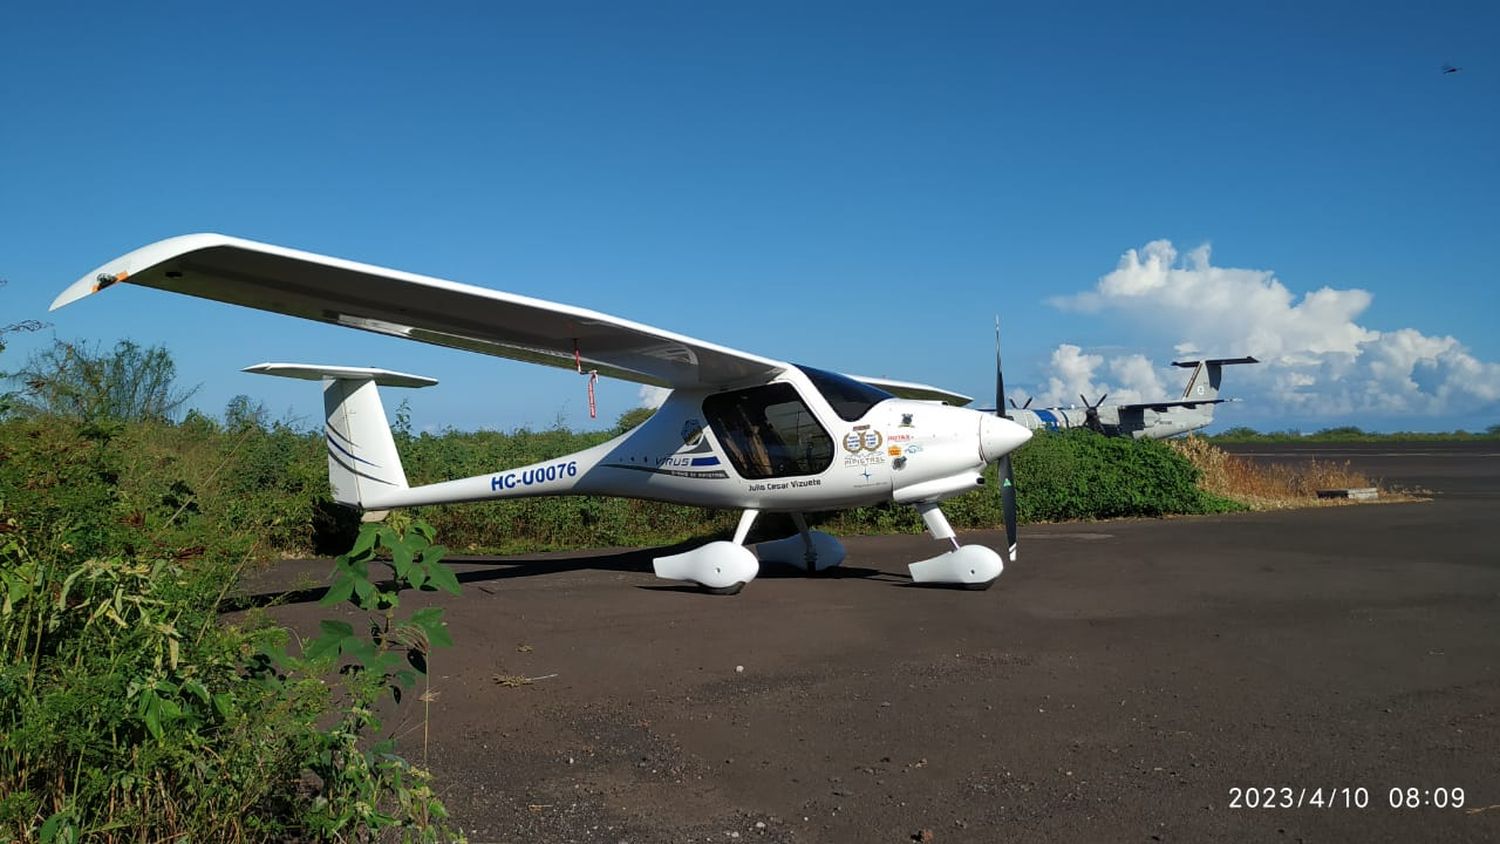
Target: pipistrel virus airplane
[[738, 431]]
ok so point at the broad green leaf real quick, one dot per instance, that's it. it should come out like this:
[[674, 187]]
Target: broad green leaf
[[196, 688], [401, 560], [58, 829], [365, 542], [339, 592], [366, 592], [388, 537], [334, 634], [152, 714], [334, 627], [431, 621], [359, 650], [418, 576], [443, 578]]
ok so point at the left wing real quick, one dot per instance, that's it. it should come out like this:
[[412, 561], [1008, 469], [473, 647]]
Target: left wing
[[446, 313], [920, 392]]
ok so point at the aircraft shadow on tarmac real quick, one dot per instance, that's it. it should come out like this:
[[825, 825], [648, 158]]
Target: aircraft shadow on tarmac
[[485, 569]]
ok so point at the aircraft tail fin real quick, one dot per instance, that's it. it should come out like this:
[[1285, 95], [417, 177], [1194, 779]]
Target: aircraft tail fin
[[362, 458], [1207, 375]]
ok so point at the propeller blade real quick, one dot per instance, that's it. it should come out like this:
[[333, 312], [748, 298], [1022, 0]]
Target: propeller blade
[[999, 378], [1100, 401], [1028, 402], [1013, 404], [1003, 471], [1007, 477]]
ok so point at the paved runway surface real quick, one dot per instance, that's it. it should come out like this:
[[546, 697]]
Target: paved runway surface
[[1119, 683]]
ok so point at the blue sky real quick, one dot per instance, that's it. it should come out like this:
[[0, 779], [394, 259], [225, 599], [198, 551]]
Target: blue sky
[[856, 186]]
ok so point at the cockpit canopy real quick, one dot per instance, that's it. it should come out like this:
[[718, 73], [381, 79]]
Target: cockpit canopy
[[770, 432], [850, 399]]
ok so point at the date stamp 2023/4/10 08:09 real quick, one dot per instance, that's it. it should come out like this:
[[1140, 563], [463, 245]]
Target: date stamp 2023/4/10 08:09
[[1345, 797]]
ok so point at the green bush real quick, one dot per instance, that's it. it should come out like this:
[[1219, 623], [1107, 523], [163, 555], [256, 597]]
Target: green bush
[[1081, 475], [130, 709], [1064, 476]]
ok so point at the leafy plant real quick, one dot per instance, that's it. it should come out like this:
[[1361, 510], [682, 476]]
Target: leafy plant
[[370, 791], [131, 708]]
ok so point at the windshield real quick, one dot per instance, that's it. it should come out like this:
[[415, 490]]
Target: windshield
[[850, 399]]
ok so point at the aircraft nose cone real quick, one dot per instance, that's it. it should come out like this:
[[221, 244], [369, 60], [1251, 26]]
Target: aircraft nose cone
[[999, 436]]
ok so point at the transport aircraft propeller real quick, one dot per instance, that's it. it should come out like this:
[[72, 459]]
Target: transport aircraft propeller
[[1091, 411]]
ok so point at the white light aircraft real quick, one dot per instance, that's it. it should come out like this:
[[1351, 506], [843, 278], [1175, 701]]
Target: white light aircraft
[[738, 430]]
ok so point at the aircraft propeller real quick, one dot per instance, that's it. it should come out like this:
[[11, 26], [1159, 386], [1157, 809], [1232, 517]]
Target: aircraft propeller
[[1091, 413], [1004, 471], [1015, 406]]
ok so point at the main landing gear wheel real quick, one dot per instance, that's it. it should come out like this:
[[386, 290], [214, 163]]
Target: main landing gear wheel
[[722, 568]]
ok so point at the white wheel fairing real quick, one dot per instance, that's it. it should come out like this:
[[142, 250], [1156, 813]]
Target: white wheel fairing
[[717, 565], [970, 565], [792, 551]]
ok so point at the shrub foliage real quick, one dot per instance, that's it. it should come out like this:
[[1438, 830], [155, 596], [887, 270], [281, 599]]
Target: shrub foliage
[[131, 707]]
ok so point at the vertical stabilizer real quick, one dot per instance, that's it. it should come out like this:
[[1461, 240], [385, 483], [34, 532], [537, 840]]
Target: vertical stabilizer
[[1207, 375], [362, 458], [361, 450]]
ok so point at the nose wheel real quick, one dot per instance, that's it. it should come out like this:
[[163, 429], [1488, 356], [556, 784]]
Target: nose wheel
[[966, 566]]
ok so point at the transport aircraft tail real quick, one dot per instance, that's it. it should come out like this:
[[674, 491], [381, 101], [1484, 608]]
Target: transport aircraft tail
[[1207, 375], [362, 454]]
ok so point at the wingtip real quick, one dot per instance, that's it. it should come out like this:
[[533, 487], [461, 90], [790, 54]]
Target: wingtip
[[77, 290], [138, 260]]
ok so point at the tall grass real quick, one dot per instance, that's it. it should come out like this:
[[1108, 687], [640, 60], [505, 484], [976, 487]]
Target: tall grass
[[1266, 485]]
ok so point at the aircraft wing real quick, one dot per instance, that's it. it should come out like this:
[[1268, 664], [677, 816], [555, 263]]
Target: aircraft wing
[[920, 392], [1163, 405], [446, 313]]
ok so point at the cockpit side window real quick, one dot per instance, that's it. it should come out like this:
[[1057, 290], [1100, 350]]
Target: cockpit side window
[[769, 432], [850, 399]]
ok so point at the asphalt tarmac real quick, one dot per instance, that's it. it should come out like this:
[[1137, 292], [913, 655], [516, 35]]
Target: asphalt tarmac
[[1137, 680]]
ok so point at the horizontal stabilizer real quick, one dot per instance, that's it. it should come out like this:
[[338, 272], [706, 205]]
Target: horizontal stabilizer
[[1208, 374], [1189, 364], [317, 372]]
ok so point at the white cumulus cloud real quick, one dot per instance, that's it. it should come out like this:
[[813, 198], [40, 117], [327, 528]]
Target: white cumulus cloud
[[1317, 359], [1075, 374], [652, 396]]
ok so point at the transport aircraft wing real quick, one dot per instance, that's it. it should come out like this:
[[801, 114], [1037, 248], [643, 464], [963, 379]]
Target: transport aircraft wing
[[1160, 406], [432, 310]]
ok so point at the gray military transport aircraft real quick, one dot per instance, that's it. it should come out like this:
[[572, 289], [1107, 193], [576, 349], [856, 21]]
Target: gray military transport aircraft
[[1146, 420]]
